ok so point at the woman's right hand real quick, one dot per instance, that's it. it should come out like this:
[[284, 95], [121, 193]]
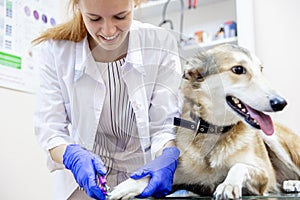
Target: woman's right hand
[[85, 167]]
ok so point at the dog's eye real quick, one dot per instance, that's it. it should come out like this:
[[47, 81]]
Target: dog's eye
[[238, 70], [199, 78]]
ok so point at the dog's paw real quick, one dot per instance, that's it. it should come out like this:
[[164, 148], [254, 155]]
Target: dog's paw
[[228, 191], [129, 189], [291, 186]]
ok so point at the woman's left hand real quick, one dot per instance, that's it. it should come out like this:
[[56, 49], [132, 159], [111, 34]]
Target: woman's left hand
[[161, 171]]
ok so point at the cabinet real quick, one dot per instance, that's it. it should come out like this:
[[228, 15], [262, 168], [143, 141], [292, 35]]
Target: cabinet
[[208, 16]]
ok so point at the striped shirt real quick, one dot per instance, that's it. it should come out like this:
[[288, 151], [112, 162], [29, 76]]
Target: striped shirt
[[117, 140]]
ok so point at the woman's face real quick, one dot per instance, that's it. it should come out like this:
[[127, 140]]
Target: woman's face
[[107, 21]]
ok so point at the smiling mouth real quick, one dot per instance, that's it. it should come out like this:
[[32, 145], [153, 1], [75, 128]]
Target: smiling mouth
[[255, 118], [111, 37]]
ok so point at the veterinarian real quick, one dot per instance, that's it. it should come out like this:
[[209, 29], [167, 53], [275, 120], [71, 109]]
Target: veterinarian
[[107, 99]]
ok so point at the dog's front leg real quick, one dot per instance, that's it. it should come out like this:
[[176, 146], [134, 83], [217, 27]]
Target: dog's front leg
[[242, 175], [129, 188]]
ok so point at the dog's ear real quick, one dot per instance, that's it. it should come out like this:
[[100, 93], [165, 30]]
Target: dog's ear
[[192, 75], [195, 68]]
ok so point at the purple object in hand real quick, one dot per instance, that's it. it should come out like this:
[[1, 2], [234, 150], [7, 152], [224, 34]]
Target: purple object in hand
[[102, 184]]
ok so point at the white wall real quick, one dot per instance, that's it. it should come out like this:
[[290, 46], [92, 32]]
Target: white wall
[[277, 33], [23, 173]]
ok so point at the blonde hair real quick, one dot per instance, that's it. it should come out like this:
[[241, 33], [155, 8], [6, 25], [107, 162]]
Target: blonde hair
[[73, 30]]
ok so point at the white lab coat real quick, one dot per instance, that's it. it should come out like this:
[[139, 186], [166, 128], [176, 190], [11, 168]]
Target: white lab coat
[[72, 92]]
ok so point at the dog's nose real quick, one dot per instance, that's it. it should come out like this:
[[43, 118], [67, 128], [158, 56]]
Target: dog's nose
[[278, 103]]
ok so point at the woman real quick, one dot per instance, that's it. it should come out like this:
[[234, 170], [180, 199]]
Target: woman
[[107, 99]]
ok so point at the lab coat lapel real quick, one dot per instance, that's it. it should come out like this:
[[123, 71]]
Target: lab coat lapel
[[134, 80], [88, 90], [85, 62], [133, 74]]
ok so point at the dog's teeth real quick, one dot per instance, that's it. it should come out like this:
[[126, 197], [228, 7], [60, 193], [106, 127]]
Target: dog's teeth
[[239, 105], [235, 100], [244, 110]]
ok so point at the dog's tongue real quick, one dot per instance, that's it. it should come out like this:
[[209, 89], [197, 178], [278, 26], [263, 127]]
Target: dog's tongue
[[265, 121]]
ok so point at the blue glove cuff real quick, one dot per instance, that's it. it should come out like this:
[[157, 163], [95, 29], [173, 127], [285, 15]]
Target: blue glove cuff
[[172, 151], [67, 156]]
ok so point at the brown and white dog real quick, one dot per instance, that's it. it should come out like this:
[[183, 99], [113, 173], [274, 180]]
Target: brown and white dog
[[229, 146]]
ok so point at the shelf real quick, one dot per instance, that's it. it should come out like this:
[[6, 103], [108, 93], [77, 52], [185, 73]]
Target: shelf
[[209, 44], [189, 50], [154, 7], [208, 16], [149, 4], [153, 3]]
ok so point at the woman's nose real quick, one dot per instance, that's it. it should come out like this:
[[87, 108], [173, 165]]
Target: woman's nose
[[108, 28]]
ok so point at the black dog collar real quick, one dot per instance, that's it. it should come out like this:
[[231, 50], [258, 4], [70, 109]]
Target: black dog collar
[[201, 125]]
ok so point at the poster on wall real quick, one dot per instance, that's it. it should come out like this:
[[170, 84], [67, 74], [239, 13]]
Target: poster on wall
[[20, 22]]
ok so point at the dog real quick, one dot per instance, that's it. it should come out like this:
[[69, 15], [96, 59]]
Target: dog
[[229, 146]]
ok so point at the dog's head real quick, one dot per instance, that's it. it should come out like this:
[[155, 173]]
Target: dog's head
[[225, 84]]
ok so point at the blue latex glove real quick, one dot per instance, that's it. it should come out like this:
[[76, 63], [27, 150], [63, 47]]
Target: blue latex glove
[[161, 171], [85, 166]]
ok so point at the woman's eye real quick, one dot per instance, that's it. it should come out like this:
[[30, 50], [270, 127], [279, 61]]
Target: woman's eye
[[238, 70], [95, 19], [120, 17]]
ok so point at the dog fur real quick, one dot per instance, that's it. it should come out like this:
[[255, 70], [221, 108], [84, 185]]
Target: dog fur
[[225, 87]]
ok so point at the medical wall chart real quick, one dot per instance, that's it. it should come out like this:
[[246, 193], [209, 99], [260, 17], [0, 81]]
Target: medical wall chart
[[20, 22]]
